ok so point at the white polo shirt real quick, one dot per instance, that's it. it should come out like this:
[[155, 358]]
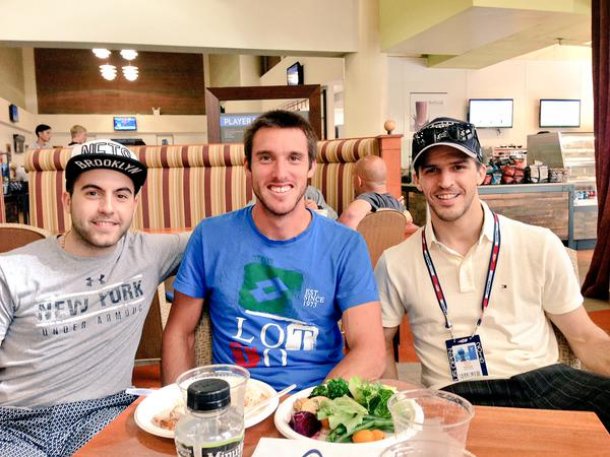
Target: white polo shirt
[[534, 275]]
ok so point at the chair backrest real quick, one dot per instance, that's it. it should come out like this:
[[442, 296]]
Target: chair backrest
[[381, 230], [13, 236]]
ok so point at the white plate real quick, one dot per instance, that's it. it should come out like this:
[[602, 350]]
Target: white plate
[[284, 412], [165, 399]]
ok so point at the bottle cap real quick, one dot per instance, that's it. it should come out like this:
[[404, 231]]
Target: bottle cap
[[208, 394]]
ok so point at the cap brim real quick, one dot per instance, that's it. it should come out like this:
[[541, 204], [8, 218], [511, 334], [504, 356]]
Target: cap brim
[[459, 147], [133, 169]]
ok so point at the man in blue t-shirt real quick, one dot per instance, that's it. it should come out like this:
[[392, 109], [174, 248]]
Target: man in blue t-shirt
[[277, 277]]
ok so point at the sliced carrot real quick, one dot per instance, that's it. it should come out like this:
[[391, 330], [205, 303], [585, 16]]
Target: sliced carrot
[[363, 436], [378, 435], [325, 423]]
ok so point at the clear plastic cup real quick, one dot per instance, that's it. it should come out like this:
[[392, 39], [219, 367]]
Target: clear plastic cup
[[425, 448], [236, 376], [431, 415]]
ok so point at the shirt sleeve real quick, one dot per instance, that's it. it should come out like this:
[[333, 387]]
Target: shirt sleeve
[[356, 283], [392, 308], [6, 307], [191, 275], [561, 289]]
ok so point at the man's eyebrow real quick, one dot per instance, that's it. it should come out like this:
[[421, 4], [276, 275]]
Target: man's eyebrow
[[95, 187]]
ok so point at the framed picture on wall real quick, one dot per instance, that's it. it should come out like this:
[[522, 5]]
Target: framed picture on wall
[[425, 106]]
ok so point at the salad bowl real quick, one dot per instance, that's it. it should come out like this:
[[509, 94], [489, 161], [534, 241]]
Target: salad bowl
[[284, 413]]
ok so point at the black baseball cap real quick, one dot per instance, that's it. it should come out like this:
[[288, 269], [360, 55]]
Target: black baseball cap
[[106, 154], [445, 131]]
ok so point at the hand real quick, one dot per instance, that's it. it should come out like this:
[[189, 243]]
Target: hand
[[311, 204]]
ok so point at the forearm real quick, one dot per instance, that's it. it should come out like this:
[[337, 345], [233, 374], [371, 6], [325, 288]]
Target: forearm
[[177, 355], [363, 363], [391, 371], [595, 356]]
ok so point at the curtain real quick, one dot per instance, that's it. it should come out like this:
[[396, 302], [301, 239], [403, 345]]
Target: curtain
[[598, 277]]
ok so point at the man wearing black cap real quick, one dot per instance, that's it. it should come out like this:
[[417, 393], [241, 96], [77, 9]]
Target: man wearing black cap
[[43, 137], [72, 308], [481, 291]]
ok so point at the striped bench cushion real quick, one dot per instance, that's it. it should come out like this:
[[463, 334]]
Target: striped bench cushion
[[187, 183]]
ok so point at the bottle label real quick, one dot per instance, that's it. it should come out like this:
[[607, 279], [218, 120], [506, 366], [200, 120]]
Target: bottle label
[[231, 449]]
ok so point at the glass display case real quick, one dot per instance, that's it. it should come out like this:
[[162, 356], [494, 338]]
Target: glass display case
[[574, 151]]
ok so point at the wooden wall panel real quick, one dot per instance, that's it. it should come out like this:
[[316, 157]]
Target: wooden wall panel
[[69, 82]]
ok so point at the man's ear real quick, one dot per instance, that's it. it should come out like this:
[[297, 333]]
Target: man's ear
[[247, 166], [416, 181], [312, 169], [66, 200], [481, 172]]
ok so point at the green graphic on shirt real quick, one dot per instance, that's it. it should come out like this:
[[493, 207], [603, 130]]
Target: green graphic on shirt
[[268, 289]]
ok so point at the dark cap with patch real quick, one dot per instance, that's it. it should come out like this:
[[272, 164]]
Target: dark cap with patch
[[105, 154], [444, 131]]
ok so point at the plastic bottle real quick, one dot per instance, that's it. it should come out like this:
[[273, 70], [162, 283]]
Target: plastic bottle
[[211, 427]]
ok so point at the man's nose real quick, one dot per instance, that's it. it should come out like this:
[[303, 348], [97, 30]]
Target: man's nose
[[445, 178], [107, 204]]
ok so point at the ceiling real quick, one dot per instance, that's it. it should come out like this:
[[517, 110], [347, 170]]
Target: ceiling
[[475, 37]]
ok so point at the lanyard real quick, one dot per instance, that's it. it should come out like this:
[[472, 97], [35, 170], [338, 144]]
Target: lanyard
[[491, 272]]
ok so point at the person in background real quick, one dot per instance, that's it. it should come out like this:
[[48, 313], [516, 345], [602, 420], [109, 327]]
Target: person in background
[[314, 199], [78, 135], [43, 137], [277, 277], [72, 308], [369, 177], [481, 292]]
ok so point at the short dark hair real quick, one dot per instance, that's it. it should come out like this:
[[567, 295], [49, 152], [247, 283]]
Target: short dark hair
[[284, 120], [41, 128]]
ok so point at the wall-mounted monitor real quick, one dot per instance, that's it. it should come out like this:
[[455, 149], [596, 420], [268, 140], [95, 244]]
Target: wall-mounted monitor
[[294, 74], [13, 113], [559, 112], [491, 112], [125, 123]]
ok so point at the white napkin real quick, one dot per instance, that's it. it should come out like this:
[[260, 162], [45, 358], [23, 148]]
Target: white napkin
[[305, 448]]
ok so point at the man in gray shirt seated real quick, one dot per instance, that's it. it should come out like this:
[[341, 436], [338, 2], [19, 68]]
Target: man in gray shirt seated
[[72, 308], [370, 175]]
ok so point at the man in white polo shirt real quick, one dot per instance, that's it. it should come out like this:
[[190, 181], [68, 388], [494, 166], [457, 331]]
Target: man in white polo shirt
[[481, 291]]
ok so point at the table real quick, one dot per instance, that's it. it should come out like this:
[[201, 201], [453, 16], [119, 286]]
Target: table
[[494, 432]]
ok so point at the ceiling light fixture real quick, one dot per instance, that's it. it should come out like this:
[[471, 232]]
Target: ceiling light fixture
[[129, 54], [108, 71], [130, 72], [101, 53]]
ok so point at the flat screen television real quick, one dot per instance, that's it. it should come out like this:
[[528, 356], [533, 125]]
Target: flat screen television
[[294, 74], [125, 123], [555, 112], [491, 112]]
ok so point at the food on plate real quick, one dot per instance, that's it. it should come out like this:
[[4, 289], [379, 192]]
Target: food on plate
[[255, 393], [305, 423], [343, 411], [168, 420]]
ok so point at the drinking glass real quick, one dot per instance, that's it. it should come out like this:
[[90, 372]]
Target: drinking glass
[[425, 448], [431, 415], [236, 376]]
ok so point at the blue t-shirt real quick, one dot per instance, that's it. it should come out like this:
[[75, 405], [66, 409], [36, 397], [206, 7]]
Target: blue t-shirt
[[274, 305]]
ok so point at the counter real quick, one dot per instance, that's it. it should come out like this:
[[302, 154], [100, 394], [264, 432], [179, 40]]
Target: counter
[[545, 205]]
